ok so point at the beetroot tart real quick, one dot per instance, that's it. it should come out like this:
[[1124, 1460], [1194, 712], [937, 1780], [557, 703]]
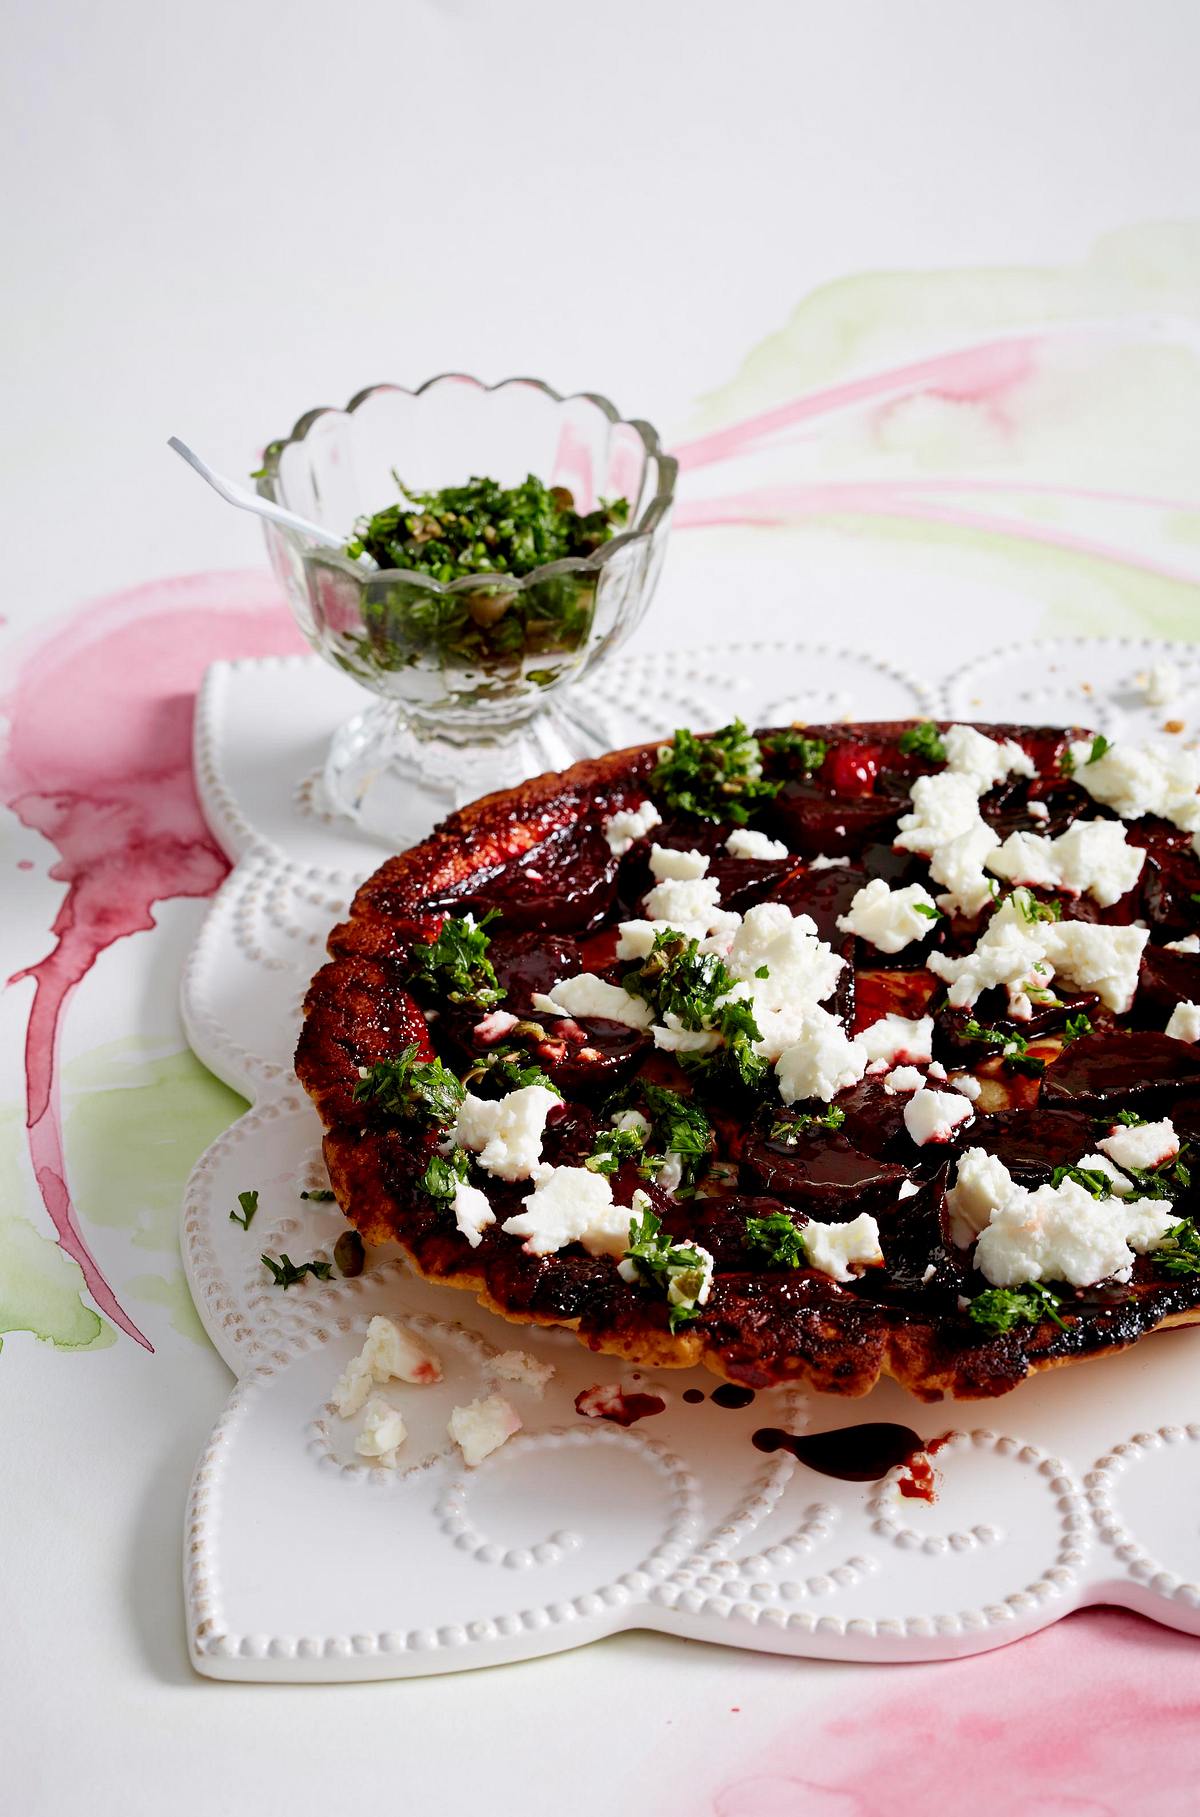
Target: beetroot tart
[[811, 1055]]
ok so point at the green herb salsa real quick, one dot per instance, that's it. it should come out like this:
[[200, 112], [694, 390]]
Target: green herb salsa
[[496, 534]]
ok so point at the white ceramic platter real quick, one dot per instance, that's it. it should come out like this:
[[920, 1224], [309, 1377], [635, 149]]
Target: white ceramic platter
[[302, 1562]]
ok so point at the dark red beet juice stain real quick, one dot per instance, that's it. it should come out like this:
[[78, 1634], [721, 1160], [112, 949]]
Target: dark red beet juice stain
[[854, 1454], [693, 1396], [615, 1405], [730, 1395]]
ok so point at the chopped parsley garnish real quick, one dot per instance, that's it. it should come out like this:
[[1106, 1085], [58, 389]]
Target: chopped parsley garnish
[[923, 740], [676, 978], [715, 778], [1092, 1179], [444, 1173], [249, 1204], [1170, 1181], [1014, 1048], [421, 1091], [510, 1067], [1132, 1119], [614, 1146], [286, 1273], [776, 1240], [1179, 1252], [484, 528], [456, 965], [1100, 748], [679, 1127], [929, 910], [320, 1194], [677, 1268], [735, 1063], [787, 1129], [1032, 910], [802, 753], [1000, 1308], [1076, 1027]]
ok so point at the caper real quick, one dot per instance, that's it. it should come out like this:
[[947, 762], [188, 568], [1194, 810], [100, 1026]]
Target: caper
[[348, 1253]]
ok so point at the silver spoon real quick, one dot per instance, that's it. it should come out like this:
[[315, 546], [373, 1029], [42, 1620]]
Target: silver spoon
[[250, 501]]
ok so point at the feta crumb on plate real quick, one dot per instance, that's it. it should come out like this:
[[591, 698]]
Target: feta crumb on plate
[[519, 1367], [390, 1354], [482, 1426], [382, 1433]]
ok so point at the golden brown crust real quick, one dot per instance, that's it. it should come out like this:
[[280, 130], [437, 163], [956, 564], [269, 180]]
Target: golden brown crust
[[757, 1330]]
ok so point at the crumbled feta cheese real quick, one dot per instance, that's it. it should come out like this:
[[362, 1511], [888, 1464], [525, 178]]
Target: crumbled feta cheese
[[1037, 810], [1137, 781], [802, 970], [943, 806], [1091, 856], [938, 1071], [622, 828], [823, 862], [1189, 944], [1088, 957], [899, 1040], [958, 866], [1117, 1182], [1141, 1145], [889, 919], [1064, 1234], [744, 842], [984, 761], [967, 1084], [482, 1426], [1185, 1022], [506, 1133], [669, 866], [821, 1062], [672, 1038], [981, 1185], [933, 1116], [693, 908], [632, 1119], [670, 1174], [472, 1212], [1162, 685], [519, 1367], [908, 1190], [1006, 953], [494, 1027], [903, 1078], [389, 1354], [587, 995], [838, 1249], [382, 1433], [572, 1205]]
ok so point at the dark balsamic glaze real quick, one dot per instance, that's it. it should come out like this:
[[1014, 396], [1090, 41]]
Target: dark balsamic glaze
[[693, 1396], [729, 1394], [854, 1454], [618, 1406]]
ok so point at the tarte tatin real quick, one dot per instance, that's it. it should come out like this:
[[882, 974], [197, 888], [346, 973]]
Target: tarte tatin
[[809, 1055]]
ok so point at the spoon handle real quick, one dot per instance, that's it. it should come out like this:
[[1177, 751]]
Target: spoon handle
[[250, 501]]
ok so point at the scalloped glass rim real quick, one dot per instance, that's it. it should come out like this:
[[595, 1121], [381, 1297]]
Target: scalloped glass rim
[[657, 508]]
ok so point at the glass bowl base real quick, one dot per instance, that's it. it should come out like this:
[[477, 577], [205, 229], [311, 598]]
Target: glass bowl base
[[396, 782]]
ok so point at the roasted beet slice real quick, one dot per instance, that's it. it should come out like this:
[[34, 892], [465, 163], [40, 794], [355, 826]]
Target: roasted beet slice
[[1165, 980], [744, 882], [813, 822], [1171, 893], [1122, 1069], [874, 1118], [589, 1057], [923, 1262], [529, 963], [824, 895], [824, 1174], [566, 884], [1031, 1147]]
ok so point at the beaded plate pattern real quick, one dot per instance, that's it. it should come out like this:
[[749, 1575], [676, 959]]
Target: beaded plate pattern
[[305, 1562]]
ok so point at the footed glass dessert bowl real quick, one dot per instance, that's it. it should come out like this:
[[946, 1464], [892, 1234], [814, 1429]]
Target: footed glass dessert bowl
[[471, 664]]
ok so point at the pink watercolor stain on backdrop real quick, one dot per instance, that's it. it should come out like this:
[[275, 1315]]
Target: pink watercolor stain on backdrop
[[99, 761], [1098, 1716]]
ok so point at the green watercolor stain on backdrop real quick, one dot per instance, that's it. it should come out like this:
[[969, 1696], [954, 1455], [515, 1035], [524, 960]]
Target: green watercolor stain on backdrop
[[136, 1121]]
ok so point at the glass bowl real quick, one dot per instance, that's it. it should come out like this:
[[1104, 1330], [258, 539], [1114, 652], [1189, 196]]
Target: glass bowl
[[471, 677]]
